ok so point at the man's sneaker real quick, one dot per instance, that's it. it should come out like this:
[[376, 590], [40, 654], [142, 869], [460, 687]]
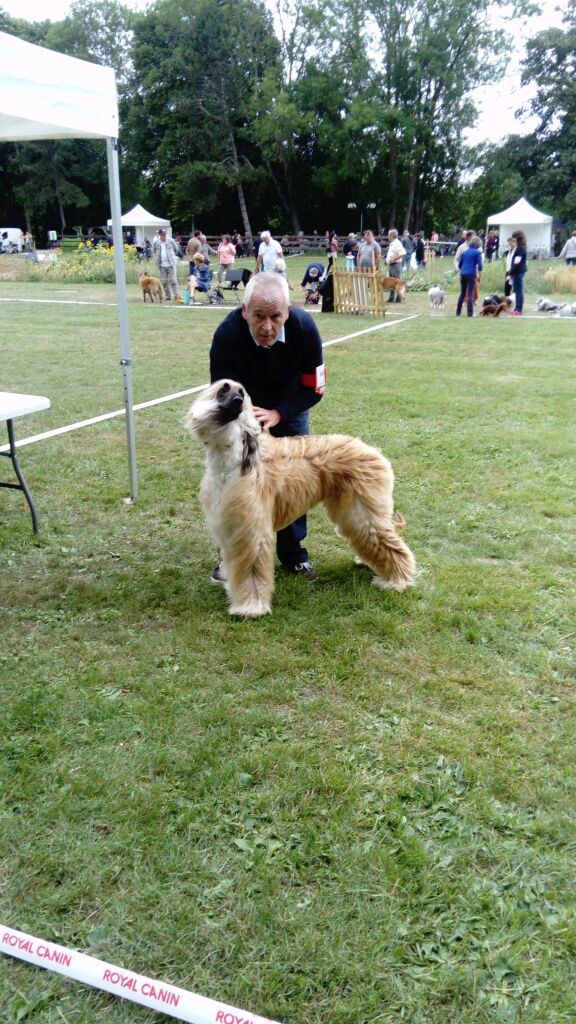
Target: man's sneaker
[[305, 569], [217, 574]]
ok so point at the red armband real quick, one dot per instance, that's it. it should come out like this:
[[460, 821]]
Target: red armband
[[316, 380]]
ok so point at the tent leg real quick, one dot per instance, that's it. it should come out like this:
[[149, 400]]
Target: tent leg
[[126, 358]]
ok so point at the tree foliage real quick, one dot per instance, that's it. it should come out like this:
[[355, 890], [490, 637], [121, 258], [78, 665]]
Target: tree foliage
[[541, 165], [283, 116]]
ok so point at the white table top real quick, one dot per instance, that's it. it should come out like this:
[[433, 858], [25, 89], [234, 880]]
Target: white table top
[[13, 405]]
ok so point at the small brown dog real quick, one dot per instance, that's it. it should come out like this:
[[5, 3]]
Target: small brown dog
[[494, 310], [396, 284], [152, 287]]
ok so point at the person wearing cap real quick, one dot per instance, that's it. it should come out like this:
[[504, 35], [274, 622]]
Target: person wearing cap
[[167, 252], [269, 251], [274, 350]]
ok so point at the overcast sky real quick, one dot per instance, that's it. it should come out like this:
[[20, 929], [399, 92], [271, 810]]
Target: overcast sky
[[497, 104]]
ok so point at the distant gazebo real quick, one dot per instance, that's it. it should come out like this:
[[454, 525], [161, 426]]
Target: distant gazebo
[[522, 216], [144, 223]]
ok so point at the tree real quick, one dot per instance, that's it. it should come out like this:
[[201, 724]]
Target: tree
[[196, 67], [551, 66]]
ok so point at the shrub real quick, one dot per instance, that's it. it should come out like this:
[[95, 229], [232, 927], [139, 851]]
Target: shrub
[[84, 265], [561, 278]]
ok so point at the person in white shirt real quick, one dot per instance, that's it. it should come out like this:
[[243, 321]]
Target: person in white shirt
[[394, 258], [269, 251], [167, 252]]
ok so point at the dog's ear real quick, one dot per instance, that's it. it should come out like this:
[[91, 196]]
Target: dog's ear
[[249, 453]]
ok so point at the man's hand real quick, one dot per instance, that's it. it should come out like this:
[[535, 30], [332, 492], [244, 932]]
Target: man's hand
[[267, 418]]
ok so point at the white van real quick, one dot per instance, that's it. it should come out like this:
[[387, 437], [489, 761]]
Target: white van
[[11, 240]]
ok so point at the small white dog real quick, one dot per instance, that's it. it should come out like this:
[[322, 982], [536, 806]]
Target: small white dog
[[436, 294]]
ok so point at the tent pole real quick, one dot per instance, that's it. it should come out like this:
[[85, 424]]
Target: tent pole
[[126, 358]]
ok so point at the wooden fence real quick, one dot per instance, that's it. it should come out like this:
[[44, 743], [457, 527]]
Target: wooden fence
[[360, 292]]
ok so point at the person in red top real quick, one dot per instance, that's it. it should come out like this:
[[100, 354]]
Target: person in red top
[[226, 256]]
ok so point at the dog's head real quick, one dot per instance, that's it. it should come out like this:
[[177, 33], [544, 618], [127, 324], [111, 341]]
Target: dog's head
[[224, 414]]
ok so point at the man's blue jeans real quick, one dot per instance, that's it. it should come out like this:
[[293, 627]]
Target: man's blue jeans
[[289, 540], [518, 286]]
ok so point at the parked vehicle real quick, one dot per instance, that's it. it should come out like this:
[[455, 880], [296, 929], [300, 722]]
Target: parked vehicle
[[11, 240]]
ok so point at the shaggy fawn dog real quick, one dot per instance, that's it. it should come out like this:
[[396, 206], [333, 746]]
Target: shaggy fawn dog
[[256, 484], [152, 287]]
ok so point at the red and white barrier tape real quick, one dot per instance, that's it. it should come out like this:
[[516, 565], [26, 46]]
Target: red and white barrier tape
[[156, 995]]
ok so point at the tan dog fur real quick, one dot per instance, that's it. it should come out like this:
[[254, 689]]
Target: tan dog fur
[[150, 286], [395, 283], [256, 484]]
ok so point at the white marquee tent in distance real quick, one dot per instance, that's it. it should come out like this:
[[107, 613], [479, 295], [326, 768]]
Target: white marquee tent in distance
[[522, 216]]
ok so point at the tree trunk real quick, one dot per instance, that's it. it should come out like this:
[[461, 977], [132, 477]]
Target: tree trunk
[[60, 210], [393, 164], [240, 191], [411, 193]]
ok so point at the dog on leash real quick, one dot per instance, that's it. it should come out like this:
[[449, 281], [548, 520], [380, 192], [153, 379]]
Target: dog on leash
[[255, 484], [152, 287], [436, 295]]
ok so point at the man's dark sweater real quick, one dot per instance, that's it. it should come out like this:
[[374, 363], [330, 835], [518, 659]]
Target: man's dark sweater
[[272, 376]]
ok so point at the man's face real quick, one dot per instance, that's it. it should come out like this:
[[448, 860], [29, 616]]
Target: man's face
[[368, 237], [162, 236], [266, 315]]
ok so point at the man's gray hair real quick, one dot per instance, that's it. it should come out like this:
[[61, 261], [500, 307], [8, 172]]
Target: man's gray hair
[[392, 233], [269, 286]]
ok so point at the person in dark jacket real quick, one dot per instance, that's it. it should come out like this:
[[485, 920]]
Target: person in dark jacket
[[470, 265], [419, 250], [518, 271], [274, 350]]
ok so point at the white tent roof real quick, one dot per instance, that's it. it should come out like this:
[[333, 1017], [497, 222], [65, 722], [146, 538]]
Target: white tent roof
[[521, 213], [139, 217], [47, 95]]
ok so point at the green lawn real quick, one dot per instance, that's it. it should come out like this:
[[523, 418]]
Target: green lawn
[[356, 810]]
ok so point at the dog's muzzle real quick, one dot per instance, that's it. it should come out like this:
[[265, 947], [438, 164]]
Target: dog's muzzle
[[230, 403]]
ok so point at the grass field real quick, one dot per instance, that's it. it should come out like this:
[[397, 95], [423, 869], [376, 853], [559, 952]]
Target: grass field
[[357, 810]]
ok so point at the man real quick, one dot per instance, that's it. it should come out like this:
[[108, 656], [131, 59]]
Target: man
[[369, 252], [167, 252], [275, 351], [394, 257], [268, 252], [464, 243], [192, 248], [409, 246]]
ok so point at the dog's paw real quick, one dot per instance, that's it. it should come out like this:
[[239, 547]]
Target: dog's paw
[[252, 610], [398, 585]]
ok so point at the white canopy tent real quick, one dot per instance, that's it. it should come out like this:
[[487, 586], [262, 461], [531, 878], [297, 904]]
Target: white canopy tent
[[143, 223], [47, 95], [522, 216]]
